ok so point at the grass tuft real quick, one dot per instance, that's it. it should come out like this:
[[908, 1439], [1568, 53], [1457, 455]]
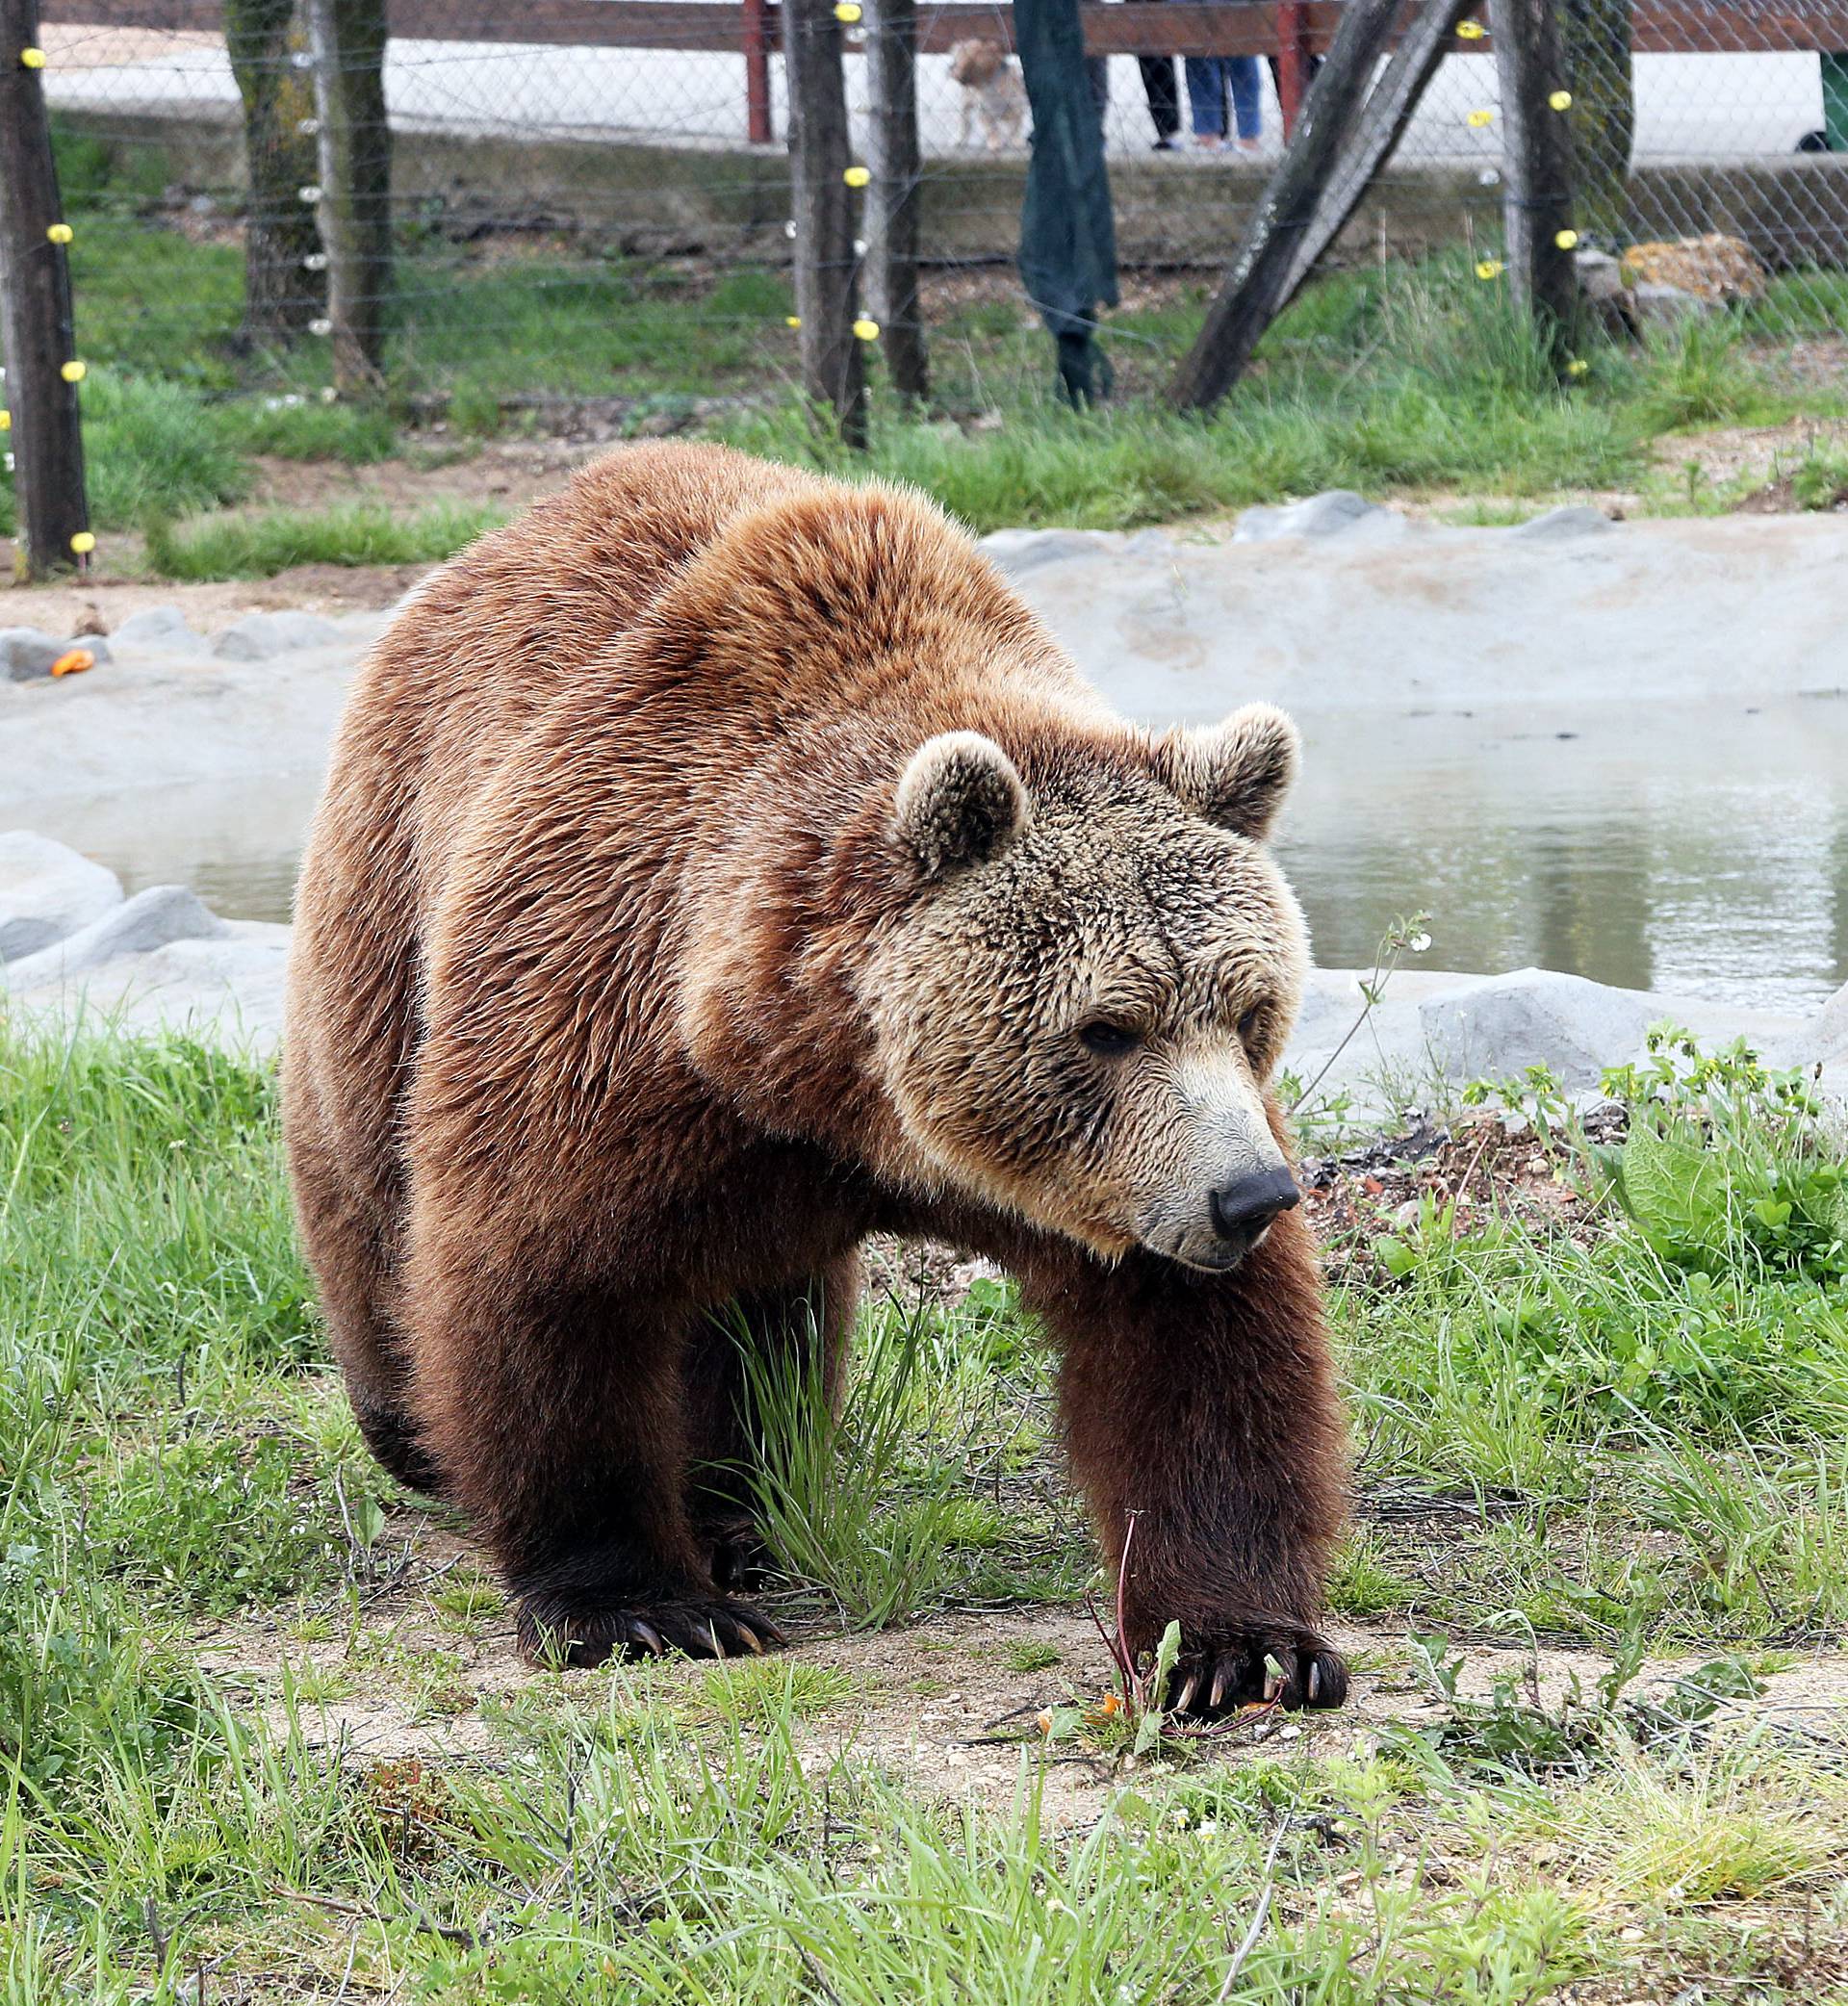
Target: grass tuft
[[259, 546]]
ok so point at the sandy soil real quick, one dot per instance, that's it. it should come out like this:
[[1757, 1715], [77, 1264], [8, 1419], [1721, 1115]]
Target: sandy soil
[[936, 1705], [100, 602]]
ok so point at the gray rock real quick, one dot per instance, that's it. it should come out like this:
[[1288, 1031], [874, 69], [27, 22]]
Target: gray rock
[[1828, 1036], [47, 892], [1018, 552], [1662, 306], [229, 990], [1340, 512], [97, 648], [153, 919], [1561, 524], [260, 636], [1599, 276], [1535, 1017], [160, 628], [28, 651]]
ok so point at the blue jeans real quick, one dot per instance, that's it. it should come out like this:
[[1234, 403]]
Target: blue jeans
[[1208, 80]]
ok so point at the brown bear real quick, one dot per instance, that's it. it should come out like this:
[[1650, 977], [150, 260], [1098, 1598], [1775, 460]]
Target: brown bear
[[721, 865]]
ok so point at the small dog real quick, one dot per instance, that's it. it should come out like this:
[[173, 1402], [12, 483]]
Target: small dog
[[991, 91]]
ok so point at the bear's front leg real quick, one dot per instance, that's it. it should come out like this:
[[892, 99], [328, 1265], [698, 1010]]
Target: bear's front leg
[[554, 1411], [1201, 1408]]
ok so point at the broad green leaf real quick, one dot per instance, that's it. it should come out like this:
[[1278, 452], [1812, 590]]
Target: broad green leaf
[[1674, 1189]]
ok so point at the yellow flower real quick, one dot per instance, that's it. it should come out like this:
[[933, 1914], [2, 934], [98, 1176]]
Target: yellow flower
[[866, 330], [1470, 31], [60, 233], [5, 421], [1489, 267], [847, 12], [1560, 100], [858, 177], [74, 371], [1566, 238], [792, 320], [32, 59], [1578, 367], [83, 543], [1481, 117]]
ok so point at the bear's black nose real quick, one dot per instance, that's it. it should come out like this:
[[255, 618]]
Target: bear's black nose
[[1244, 1207]]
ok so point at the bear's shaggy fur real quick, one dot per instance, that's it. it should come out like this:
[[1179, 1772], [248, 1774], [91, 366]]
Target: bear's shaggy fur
[[721, 865]]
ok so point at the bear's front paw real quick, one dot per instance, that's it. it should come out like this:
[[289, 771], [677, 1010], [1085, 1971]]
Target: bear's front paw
[[552, 1633], [1289, 1665]]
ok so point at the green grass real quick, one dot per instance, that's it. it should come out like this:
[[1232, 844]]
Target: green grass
[[1652, 1413], [1409, 380], [258, 546]]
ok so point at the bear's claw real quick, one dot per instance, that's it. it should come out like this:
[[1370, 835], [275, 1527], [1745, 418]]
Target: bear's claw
[[1219, 1680], [719, 1628]]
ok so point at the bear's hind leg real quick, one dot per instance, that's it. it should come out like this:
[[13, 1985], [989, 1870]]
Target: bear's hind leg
[[555, 1412], [800, 1327], [348, 1212]]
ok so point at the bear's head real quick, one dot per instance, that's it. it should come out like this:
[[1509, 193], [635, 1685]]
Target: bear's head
[[1076, 1011]]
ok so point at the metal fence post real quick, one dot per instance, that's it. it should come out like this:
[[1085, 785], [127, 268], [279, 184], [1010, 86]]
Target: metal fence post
[[893, 196], [44, 432], [820, 160]]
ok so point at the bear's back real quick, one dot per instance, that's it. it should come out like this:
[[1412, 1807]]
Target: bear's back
[[483, 645]]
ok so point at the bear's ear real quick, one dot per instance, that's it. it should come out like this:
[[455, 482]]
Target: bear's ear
[[1235, 773], [960, 802]]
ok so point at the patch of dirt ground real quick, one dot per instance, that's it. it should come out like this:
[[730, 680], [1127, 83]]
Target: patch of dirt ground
[[100, 602], [1758, 459], [947, 1703], [505, 473], [511, 474], [938, 1705]]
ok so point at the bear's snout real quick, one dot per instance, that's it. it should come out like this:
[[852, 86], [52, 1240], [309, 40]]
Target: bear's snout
[[1242, 1211], [1234, 1216]]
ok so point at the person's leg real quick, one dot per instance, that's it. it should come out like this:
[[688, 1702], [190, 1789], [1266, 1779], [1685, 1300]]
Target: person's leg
[[1242, 73], [1203, 98], [1163, 91]]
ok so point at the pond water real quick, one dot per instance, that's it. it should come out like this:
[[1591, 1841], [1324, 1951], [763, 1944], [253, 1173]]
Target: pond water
[[1697, 849]]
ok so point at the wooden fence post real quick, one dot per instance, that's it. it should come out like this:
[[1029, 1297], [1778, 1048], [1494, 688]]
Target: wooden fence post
[[1536, 167], [833, 370], [284, 291], [757, 74], [1247, 303], [1292, 62], [893, 198], [1421, 46], [355, 154], [45, 433]]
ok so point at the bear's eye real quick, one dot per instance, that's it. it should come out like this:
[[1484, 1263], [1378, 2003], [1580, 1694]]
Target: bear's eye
[[1250, 1023], [1109, 1041]]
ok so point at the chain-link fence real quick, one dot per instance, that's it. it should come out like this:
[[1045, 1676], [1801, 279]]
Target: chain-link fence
[[599, 187]]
